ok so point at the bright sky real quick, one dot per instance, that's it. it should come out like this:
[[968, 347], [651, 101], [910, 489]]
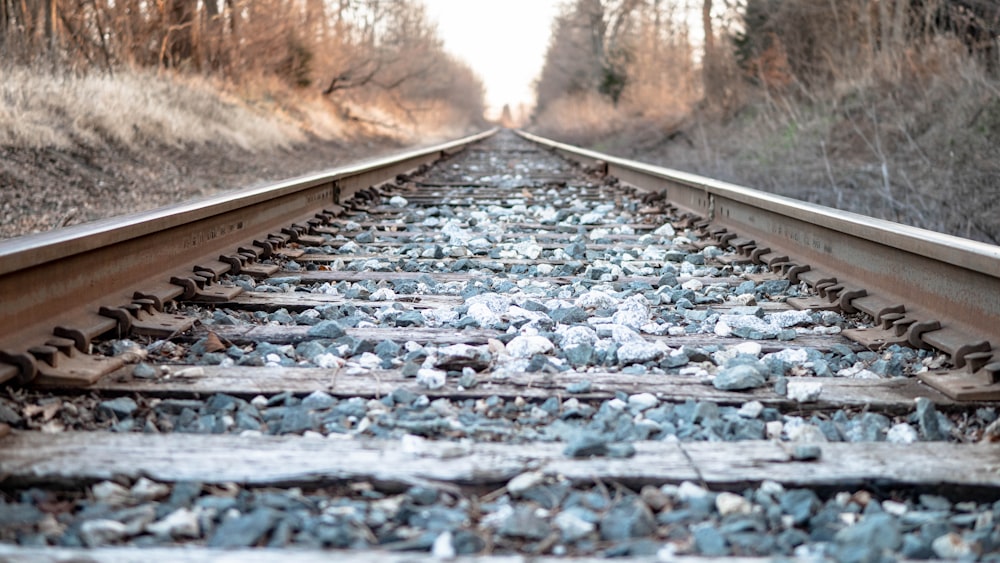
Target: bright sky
[[504, 41]]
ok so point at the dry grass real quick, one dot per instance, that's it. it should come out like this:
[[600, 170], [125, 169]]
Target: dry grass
[[62, 110], [910, 139], [42, 109]]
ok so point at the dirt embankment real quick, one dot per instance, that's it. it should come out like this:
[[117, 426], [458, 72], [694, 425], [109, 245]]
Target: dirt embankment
[[75, 149], [47, 188]]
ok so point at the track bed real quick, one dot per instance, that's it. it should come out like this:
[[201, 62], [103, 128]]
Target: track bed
[[504, 355]]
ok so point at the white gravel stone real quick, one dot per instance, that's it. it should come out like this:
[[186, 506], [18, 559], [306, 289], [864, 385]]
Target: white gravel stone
[[494, 301], [438, 317], [799, 431], [483, 315], [181, 523], [895, 508], [455, 233], [638, 351], [382, 294], [745, 299], [617, 404], [398, 201], [328, 361], [633, 312], [642, 401], [750, 409], [111, 493], [517, 313], [576, 335], [729, 503], [746, 322], [772, 488], [572, 526], [666, 230], [654, 253], [146, 490], [102, 532], [785, 319], [952, 546], [526, 346], [598, 234], [723, 329], [804, 391], [521, 483], [621, 334], [902, 433], [595, 300], [442, 547], [657, 329], [694, 371], [773, 429], [688, 490], [368, 360], [693, 285], [790, 355], [747, 348], [431, 378], [528, 249]]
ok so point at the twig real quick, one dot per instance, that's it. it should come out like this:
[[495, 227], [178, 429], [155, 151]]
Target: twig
[[66, 218]]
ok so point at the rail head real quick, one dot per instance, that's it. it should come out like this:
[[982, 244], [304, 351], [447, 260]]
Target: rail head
[[78, 282], [948, 286]]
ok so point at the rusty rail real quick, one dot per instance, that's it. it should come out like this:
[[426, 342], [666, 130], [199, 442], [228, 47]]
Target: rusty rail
[[59, 290], [922, 288]]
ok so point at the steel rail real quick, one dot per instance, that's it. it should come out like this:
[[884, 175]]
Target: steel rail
[[925, 289], [60, 289]]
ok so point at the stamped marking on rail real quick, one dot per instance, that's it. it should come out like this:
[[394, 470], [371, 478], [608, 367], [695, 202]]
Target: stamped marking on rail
[[802, 238], [323, 195], [212, 233]]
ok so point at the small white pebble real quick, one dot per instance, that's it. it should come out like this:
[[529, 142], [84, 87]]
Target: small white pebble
[[443, 548], [894, 508], [729, 503], [693, 285], [804, 391], [902, 433], [773, 429], [688, 490], [750, 409]]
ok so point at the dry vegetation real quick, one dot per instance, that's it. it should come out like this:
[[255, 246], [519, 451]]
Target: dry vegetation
[[889, 108], [108, 107]]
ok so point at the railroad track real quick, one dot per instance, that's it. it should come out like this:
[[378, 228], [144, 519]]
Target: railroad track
[[484, 348]]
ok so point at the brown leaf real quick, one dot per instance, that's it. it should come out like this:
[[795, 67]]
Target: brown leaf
[[213, 343], [50, 410]]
